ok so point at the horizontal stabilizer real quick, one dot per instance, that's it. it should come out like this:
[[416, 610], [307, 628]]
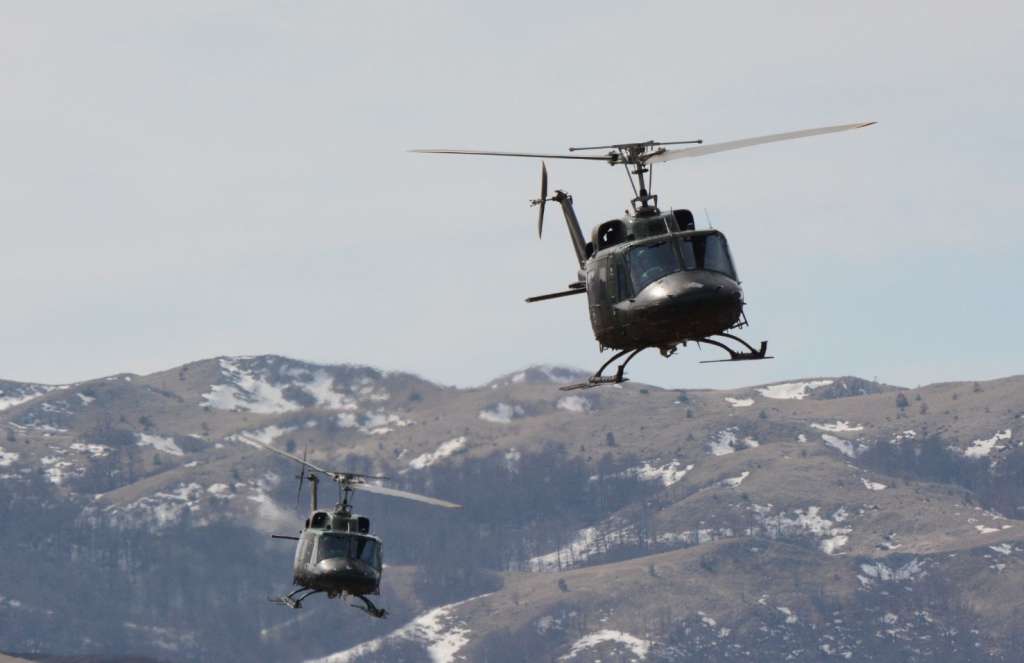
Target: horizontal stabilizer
[[555, 295]]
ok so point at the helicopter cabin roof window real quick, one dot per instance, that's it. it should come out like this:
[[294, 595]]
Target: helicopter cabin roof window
[[650, 262], [609, 233], [349, 546], [653, 226], [684, 219]]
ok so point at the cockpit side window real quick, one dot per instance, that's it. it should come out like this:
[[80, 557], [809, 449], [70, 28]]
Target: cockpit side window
[[687, 252], [650, 262], [305, 550], [708, 252], [716, 255], [368, 551]]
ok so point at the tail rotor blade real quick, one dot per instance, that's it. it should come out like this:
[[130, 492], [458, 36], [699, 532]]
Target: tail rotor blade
[[543, 198], [301, 477]]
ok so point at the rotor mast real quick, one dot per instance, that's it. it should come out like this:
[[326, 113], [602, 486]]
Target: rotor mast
[[636, 155]]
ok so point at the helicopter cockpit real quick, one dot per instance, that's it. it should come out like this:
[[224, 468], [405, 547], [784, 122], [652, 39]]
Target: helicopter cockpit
[[704, 251], [349, 546]]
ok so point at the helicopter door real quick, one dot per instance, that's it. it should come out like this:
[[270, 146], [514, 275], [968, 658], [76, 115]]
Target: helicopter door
[[303, 553], [603, 282]]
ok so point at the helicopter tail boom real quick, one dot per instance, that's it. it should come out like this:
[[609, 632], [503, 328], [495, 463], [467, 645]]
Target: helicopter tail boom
[[575, 234]]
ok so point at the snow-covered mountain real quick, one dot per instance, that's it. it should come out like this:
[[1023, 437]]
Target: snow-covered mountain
[[818, 518]]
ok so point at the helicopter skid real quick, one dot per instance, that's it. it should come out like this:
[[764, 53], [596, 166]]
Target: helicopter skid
[[369, 608], [597, 379], [750, 354], [291, 601]]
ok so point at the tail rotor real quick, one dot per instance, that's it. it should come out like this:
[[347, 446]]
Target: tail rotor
[[542, 200]]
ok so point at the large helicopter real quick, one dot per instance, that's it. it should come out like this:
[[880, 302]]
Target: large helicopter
[[335, 553], [653, 280]]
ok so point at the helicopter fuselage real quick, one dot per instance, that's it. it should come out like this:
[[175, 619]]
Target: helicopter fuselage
[[335, 557], [655, 281], [652, 279]]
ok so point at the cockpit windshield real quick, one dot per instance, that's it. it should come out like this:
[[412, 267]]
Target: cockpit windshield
[[650, 262], [349, 546]]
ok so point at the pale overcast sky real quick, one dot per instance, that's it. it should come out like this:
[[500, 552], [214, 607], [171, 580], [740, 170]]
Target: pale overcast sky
[[189, 179]]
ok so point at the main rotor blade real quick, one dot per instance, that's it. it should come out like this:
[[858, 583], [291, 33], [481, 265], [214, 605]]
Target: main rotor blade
[[333, 474], [394, 492], [686, 152], [514, 154]]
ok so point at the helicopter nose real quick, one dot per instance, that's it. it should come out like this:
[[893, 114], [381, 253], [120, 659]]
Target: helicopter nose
[[690, 288], [696, 303], [335, 565], [341, 567]]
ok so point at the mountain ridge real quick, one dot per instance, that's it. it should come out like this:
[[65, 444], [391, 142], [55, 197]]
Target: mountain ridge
[[161, 502]]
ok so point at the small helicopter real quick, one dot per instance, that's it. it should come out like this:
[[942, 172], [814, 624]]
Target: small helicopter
[[336, 554], [653, 280]]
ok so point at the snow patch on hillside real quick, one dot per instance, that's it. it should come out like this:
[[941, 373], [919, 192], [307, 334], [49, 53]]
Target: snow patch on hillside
[[636, 647], [588, 542], [321, 388], [58, 470], [543, 374], [373, 423], [791, 617], [512, 458], [830, 535], [844, 447], [221, 490], [739, 402], [982, 448], [726, 442], [792, 390], [839, 427], [261, 436], [872, 485], [442, 633], [734, 482], [668, 474], [7, 457], [160, 443], [16, 394], [452, 446], [577, 404], [880, 572], [160, 509], [94, 450], [246, 392], [501, 413], [261, 386], [905, 435]]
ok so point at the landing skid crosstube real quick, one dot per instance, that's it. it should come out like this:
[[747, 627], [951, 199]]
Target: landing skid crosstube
[[598, 378], [294, 600]]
